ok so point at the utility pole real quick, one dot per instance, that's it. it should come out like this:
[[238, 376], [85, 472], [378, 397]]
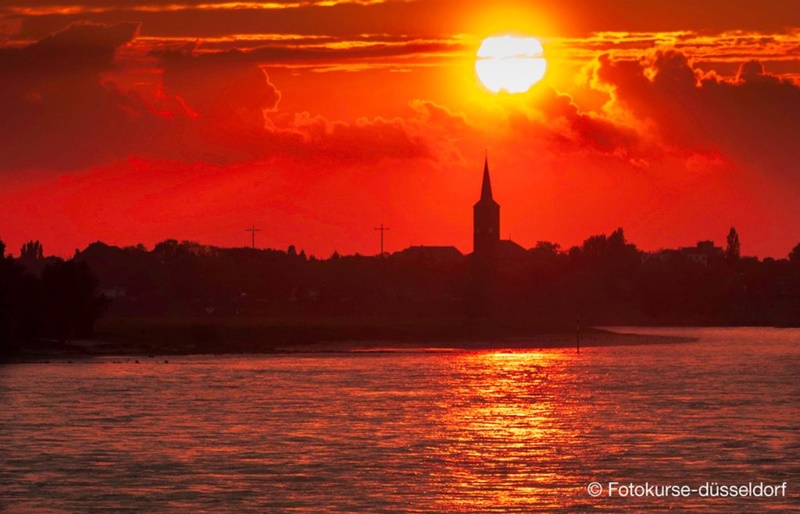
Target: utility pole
[[382, 229], [253, 231]]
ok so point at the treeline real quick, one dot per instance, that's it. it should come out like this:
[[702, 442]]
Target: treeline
[[45, 298], [189, 279], [605, 280]]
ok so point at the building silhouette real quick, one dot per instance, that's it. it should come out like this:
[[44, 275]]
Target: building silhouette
[[485, 220], [487, 247]]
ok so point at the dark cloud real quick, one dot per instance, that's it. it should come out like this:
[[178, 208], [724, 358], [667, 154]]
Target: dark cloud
[[81, 47], [321, 51], [56, 111], [753, 118], [9, 27], [366, 140], [346, 19], [555, 124], [59, 112], [586, 130], [292, 53], [753, 72], [219, 85], [440, 116], [431, 17], [232, 104]]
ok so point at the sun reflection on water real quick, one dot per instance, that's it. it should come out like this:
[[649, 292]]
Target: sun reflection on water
[[508, 425]]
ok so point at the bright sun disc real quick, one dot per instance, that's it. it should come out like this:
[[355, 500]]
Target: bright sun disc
[[510, 63]]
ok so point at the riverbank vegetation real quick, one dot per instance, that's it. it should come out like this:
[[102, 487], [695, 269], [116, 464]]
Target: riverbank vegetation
[[214, 299]]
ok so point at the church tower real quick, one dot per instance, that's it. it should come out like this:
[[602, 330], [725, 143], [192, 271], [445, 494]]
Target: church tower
[[486, 218]]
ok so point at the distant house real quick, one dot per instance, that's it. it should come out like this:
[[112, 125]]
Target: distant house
[[704, 253], [436, 255], [509, 250], [661, 256]]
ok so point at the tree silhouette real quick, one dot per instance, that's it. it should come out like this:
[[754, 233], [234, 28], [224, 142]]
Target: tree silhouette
[[31, 251], [546, 248], [70, 304], [794, 255], [606, 279], [7, 277], [20, 304], [733, 248]]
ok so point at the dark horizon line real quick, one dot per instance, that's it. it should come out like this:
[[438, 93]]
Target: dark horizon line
[[561, 249]]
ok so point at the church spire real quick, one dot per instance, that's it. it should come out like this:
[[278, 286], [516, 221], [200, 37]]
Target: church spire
[[486, 218], [486, 188]]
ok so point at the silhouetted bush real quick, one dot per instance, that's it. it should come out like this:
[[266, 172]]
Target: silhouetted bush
[[61, 304], [70, 304]]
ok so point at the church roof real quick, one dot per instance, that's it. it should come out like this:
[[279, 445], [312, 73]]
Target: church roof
[[486, 187], [512, 249], [434, 254]]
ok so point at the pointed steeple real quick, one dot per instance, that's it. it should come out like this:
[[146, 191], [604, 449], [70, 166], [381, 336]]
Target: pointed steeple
[[486, 218], [486, 188]]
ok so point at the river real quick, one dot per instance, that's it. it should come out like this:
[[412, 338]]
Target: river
[[474, 431]]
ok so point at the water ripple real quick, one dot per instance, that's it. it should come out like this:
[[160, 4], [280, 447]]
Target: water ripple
[[406, 432]]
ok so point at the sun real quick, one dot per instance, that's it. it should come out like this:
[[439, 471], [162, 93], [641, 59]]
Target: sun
[[510, 63]]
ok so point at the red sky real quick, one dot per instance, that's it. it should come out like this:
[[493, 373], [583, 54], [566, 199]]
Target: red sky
[[128, 121]]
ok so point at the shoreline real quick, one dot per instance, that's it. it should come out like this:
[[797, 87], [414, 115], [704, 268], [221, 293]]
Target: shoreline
[[593, 339], [89, 350]]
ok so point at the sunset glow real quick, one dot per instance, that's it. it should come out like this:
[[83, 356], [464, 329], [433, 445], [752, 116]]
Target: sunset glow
[[509, 63], [135, 122]]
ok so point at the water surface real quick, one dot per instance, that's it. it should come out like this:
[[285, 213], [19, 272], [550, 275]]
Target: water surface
[[406, 431]]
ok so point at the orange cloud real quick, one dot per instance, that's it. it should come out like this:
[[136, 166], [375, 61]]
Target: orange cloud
[[211, 107]]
